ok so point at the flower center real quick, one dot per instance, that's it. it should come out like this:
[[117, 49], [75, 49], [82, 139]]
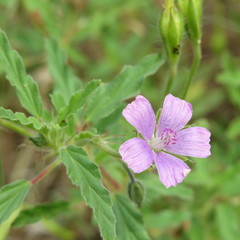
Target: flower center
[[166, 137]]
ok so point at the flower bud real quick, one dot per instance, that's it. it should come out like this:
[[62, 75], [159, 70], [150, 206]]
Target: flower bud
[[39, 140], [195, 18], [183, 6], [136, 192], [192, 12], [171, 31]]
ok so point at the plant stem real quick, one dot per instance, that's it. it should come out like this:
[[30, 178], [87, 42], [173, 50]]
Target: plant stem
[[195, 64], [46, 171], [15, 127], [110, 151], [172, 76], [105, 147]]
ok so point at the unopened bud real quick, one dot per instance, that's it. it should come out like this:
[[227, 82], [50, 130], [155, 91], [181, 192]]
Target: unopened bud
[[171, 31], [192, 12], [183, 6], [39, 140], [136, 192]]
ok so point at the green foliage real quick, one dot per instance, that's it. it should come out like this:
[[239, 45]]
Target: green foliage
[[85, 174], [78, 99], [166, 219], [129, 221], [65, 82], [94, 39], [230, 77], [39, 212], [228, 222], [125, 85], [11, 197], [27, 89], [155, 190], [20, 118]]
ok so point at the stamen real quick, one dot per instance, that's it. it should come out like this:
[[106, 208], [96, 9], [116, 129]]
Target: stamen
[[167, 136]]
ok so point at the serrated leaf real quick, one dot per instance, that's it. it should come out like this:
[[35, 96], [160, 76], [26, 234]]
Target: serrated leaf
[[228, 222], [85, 174], [27, 89], [11, 197], [78, 99], [22, 119], [66, 83], [127, 84], [36, 213], [129, 220]]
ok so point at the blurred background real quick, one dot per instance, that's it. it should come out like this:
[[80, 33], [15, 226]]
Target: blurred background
[[99, 37]]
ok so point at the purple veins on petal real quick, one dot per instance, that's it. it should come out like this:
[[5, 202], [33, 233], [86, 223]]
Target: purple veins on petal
[[137, 154], [175, 114], [169, 137], [140, 114], [171, 169], [192, 142]]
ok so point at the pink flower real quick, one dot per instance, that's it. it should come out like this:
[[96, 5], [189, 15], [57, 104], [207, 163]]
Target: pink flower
[[159, 141]]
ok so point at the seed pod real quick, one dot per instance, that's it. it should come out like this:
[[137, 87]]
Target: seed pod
[[136, 192]]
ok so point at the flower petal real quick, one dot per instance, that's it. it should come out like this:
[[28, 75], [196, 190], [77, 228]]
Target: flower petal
[[137, 154], [192, 142], [171, 170], [141, 115], [175, 114]]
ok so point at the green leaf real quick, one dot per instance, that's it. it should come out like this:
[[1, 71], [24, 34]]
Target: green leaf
[[78, 99], [166, 219], [22, 119], [195, 231], [11, 197], [228, 222], [84, 173], [66, 83], [35, 214], [129, 220], [233, 130], [127, 84], [85, 135], [27, 89], [155, 189]]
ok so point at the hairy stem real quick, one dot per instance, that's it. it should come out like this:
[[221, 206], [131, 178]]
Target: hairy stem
[[16, 128], [195, 65], [45, 172], [110, 151]]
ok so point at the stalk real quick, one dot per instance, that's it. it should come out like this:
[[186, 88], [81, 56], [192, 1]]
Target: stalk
[[110, 151], [15, 127], [45, 172], [171, 78], [195, 65]]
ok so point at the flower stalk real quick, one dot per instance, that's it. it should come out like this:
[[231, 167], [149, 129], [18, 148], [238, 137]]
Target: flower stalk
[[172, 75], [45, 172], [16, 128], [195, 65], [110, 151]]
